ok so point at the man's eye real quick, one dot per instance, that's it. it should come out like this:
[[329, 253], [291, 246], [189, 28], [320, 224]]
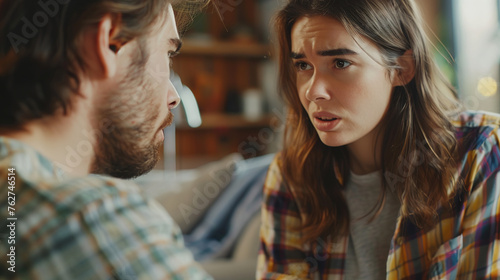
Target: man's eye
[[172, 54], [302, 66], [341, 64]]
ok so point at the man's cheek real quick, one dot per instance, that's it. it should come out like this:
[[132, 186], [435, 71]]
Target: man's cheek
[[158, 68]]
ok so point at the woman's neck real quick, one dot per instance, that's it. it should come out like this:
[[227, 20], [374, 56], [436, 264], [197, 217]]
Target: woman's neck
[[365, 154]]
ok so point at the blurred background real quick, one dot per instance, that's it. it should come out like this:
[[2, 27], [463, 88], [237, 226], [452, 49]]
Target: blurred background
[[231, 119], [228, 63]]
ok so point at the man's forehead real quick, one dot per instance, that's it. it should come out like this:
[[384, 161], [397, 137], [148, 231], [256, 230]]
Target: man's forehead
[[167, 26]]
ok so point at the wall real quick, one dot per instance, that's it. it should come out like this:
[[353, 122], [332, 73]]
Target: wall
[[478, 51]]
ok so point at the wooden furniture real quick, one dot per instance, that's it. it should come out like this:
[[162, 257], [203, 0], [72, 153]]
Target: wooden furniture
[[219, 69]]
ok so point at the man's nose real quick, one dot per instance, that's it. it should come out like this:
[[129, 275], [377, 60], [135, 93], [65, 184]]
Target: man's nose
[[173, 98]]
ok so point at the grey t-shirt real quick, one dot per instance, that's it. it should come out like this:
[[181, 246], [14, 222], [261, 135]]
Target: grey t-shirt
[[369, 242]]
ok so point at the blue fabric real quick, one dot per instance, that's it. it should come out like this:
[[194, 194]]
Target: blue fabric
[[217, 233]]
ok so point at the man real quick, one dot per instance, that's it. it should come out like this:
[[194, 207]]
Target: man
[[84, 89]]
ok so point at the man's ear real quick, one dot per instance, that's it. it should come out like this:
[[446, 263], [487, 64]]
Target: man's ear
[[405, 74], [107, 46]]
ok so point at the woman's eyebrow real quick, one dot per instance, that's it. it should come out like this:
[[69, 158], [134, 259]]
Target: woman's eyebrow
[[295, 55], [333, 52], [336, 52]]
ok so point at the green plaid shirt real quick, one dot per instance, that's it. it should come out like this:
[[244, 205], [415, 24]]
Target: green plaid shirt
[[90, 227]]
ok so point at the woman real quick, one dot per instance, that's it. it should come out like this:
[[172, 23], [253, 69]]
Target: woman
[[382, 176]]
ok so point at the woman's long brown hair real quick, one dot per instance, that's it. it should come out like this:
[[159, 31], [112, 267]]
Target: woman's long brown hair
[[418, 144]]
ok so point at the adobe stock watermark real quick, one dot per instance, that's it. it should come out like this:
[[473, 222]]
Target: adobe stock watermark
[[203, 194], [407, 166], [224, 6], [320, 253], [75, 154], [254, 144], [31, 27], [155, 73], [487, 87]]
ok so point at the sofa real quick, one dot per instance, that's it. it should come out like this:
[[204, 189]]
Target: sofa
[[217, 207]]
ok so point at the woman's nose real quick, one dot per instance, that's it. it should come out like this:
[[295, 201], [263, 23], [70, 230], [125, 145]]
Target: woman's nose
[[318, 88]]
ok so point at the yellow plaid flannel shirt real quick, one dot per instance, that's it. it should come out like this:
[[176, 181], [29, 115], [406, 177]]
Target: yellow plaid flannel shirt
[[464, 244]]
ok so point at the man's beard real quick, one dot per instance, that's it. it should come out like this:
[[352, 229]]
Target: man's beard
[[124, 147]]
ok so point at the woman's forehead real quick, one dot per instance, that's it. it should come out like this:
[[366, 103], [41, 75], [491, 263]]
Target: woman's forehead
[[318, 29], [317, 35], [322, 33]]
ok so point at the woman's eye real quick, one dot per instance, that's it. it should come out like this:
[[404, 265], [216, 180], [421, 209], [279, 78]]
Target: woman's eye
[[302, 66], [341, 64]]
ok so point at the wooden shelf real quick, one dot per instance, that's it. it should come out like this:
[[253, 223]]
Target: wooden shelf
[[224, 48], [228, 121], [219, 61]]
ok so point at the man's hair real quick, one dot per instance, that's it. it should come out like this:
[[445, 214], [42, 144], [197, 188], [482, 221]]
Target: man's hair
[[418, 134], [39, 47]]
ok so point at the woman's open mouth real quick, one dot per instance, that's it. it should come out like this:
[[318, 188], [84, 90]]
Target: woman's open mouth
[[325, 121]]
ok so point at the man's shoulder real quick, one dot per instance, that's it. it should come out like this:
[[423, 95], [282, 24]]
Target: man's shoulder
[[101, 193], [70, 196], [78, 192], [97, 220], [44, 192]]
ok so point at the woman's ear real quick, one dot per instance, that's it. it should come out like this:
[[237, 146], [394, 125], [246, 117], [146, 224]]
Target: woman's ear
[[406, 72]]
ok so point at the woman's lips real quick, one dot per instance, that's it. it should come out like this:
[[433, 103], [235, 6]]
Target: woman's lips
[[325, 121]]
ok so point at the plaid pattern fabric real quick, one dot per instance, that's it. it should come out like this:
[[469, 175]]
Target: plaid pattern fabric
[[91, 227], [465, 244]]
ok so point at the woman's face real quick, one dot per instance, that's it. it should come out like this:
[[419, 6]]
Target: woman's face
[[341, 82]]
